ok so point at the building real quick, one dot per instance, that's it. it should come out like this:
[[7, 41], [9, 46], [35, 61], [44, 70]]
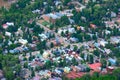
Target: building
[[110, 24], [95, 67], [52, 17]]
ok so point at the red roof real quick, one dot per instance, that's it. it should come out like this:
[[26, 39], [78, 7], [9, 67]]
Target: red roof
[[92, 25], [74, 75], [95, 66], [5, 26]]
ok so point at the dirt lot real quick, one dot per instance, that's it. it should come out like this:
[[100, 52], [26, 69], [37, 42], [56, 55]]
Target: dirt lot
[[6, 3]]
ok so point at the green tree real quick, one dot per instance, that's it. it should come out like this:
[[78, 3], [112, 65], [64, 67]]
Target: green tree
[[66, 2], [26, 65], [96, 52], [104, 63], [52, 45], [33, 73]]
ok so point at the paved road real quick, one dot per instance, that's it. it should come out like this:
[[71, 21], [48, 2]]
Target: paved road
[[77, 3]]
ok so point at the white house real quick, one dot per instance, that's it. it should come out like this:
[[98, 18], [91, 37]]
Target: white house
[[103, 43], [8, 34], [10, 23], [23, 41], [43, 37]]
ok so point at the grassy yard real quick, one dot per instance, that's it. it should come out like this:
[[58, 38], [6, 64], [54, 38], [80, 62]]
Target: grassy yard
[[45, 23]]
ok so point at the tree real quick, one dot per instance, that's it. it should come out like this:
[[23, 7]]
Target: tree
[[90, 58], [33, 73], [50, 2], [48, 64], [94, 37], [74, 62], [85, 77], [26, 65], [18, 69], [51, 45], [37, 29], [64, 20], [1, 39], [9, 75], [104, 63], [118, 62], [66, 2], [80, 37], [96, 52], [51, 27], [62, 33], [116, 73], [75, 48], [48, 9], [87, 37], [41, 45]]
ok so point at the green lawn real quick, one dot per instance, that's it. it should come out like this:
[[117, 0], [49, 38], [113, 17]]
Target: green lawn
[[45, 23]]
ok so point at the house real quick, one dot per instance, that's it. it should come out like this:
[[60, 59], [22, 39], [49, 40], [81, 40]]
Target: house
[[45, 73], [71, 21], [23, 41], [113, 14], [8, 34], [55, 78], [32, 46], [37, 77], [103, 43], [1, 74], [19, 32], [57, 3], [96, 45], [114, 40], [52, 17], [78, 9], [67, 69], [71, 30], [9, 42], [107, 32], [110, 68], [73, 39], [46, 55], [93, 26], [67, 12], [5, 26], [43, 37], [108, 51], [112, 61], [61, 30], [95, 67], [36, 11], [74, 75], [10, 23], [58, 71], [110, 24], [82, 67]]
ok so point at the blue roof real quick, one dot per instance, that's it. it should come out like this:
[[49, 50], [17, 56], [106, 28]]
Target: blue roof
[[12, 51], [96, 44], [112, 61], [55, 15]]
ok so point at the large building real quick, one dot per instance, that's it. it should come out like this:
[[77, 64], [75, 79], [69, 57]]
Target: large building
[[52, 17]]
